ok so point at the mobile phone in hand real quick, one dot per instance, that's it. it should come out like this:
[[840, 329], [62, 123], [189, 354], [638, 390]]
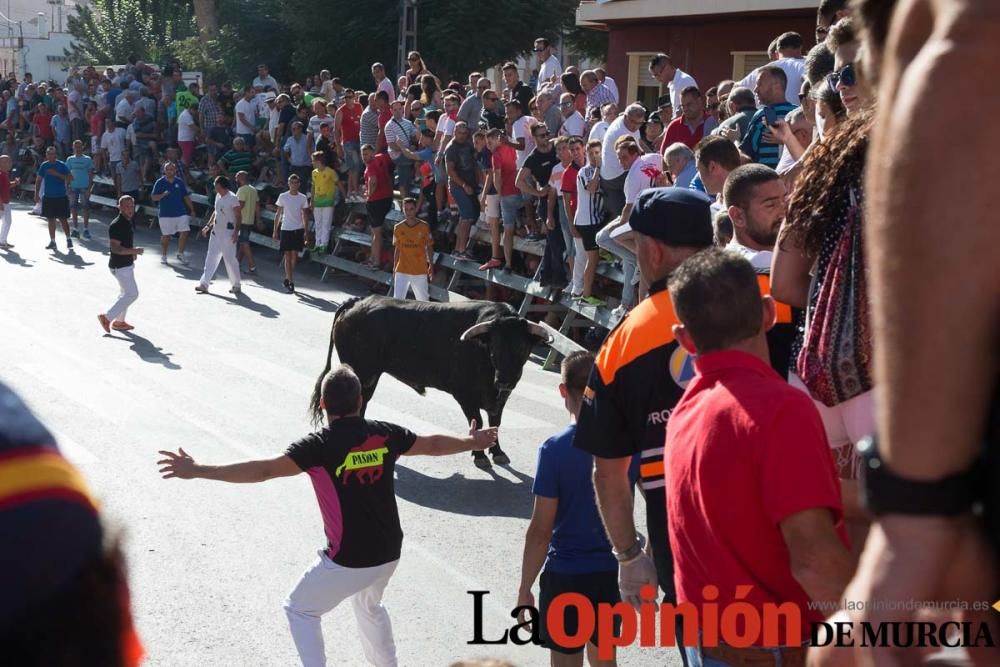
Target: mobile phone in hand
[[770, 116]]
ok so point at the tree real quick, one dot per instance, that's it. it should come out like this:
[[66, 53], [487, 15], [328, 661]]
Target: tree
[[208, 20], [109, 31]]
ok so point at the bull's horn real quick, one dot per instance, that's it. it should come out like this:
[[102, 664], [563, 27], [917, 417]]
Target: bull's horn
[[541, 332], [476, 330]]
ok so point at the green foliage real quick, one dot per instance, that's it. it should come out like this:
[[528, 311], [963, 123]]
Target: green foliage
[[108, 31], [588, 42]]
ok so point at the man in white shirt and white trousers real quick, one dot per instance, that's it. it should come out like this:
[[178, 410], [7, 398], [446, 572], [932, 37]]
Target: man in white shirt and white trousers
[[224, 227]]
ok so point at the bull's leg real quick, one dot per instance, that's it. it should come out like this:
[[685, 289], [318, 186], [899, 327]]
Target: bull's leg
[[499, 456], [368, 384], [471, 412]]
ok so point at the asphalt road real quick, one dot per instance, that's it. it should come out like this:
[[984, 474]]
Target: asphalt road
[[211, 563]]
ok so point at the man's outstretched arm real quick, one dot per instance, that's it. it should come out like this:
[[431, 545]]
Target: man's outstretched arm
[[182, 466]]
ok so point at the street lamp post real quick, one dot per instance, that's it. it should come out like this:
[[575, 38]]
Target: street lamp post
[[407, 32]]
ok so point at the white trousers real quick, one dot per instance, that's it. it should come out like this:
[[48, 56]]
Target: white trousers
[[402, 282], [221, 247], [129, 293], [324, 586], [323, 216], [4, 223], [579, 266]]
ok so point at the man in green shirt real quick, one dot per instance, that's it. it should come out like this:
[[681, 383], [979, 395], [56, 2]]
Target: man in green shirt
[[250, 214], [238, 159]]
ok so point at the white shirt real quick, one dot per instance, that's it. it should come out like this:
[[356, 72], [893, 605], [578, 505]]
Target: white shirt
[[386, 85], [292, 207], [265, 82], [550, 68], [273, 119], [612, 86], [759, 259], [225, 215], [610, 166], [402, 131], [642, 175], [186, 128], [680, 81], [572, 126], [794, 69], [521, 129], [114, 143], [248, 109], [598, 131], [73, 103], [124, 109], [316, 121]]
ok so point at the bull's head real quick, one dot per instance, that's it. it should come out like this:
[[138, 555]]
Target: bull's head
[[509, 340]]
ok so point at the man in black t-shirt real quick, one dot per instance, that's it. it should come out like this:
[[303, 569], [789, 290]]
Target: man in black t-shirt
[[533, 177], [350, 463], [121, 261]]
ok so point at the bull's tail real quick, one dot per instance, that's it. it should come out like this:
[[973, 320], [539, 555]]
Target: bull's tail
[[315, 411]]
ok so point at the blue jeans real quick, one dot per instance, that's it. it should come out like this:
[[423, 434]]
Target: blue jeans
[[468, 205], [510, 205], [605, 241]]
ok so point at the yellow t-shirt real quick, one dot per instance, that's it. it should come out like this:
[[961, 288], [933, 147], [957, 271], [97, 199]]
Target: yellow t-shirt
[[412, 243], [247, 194], [324, 187]]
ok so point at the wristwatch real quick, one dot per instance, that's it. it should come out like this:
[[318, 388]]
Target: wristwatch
[[885, 492], [633, 551]]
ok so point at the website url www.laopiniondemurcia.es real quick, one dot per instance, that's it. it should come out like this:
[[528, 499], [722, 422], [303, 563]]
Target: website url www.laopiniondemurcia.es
[[829, 606], [739, 624]]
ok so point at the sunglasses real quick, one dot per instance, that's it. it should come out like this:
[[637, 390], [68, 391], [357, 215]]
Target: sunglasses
[[566, 105], [538, 50], [845, 75], [492, 98], [821, 32], [413, 60], [539, 135]]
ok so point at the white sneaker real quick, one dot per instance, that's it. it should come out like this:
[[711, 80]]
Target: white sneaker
[[619, 312], [181, 258], [163, 259]]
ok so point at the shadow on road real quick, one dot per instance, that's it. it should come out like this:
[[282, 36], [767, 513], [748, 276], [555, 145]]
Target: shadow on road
[[70, 258], [315, 302], [473, 497], [246, 302], [13, 258], [146, 350]]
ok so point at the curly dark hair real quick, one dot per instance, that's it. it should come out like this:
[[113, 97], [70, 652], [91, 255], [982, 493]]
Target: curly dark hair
[[821, 190]]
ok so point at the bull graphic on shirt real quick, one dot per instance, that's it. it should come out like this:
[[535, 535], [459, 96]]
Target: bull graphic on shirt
[[365, 461]]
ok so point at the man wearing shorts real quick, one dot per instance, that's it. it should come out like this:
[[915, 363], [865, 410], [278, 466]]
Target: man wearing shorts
[[175, 207], [55, 204], [378, 179], [250, 217], [224, 228], [82, 168], [588, 220], [290, 223], [351, 463], [463, 179], [504, 176], [347, 133], [413, 254]]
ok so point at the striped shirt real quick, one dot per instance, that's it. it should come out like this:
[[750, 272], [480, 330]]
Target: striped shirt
[[237, 161], [369, 126], [753, 142], [598, 96]]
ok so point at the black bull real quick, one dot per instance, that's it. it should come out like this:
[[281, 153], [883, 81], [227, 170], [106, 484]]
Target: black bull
[[473, 350]]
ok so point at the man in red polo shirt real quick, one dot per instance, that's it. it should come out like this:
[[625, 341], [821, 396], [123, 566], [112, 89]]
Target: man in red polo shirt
[[693, 124], [752, 492]]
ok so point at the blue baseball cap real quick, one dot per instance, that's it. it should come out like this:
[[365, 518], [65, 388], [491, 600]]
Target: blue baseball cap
[[675, 216]]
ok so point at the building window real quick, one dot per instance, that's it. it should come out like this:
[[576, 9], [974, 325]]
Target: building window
[[745, 62], [642, 87]]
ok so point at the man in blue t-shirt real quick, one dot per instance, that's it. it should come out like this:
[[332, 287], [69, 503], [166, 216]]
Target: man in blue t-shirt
[[566, 533], [50, 188], [82, 169], [175, 211]]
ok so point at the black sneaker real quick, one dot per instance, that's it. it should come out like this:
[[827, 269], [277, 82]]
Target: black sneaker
[[288, 285], [75, 233], [51, 245], [69, 244]]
